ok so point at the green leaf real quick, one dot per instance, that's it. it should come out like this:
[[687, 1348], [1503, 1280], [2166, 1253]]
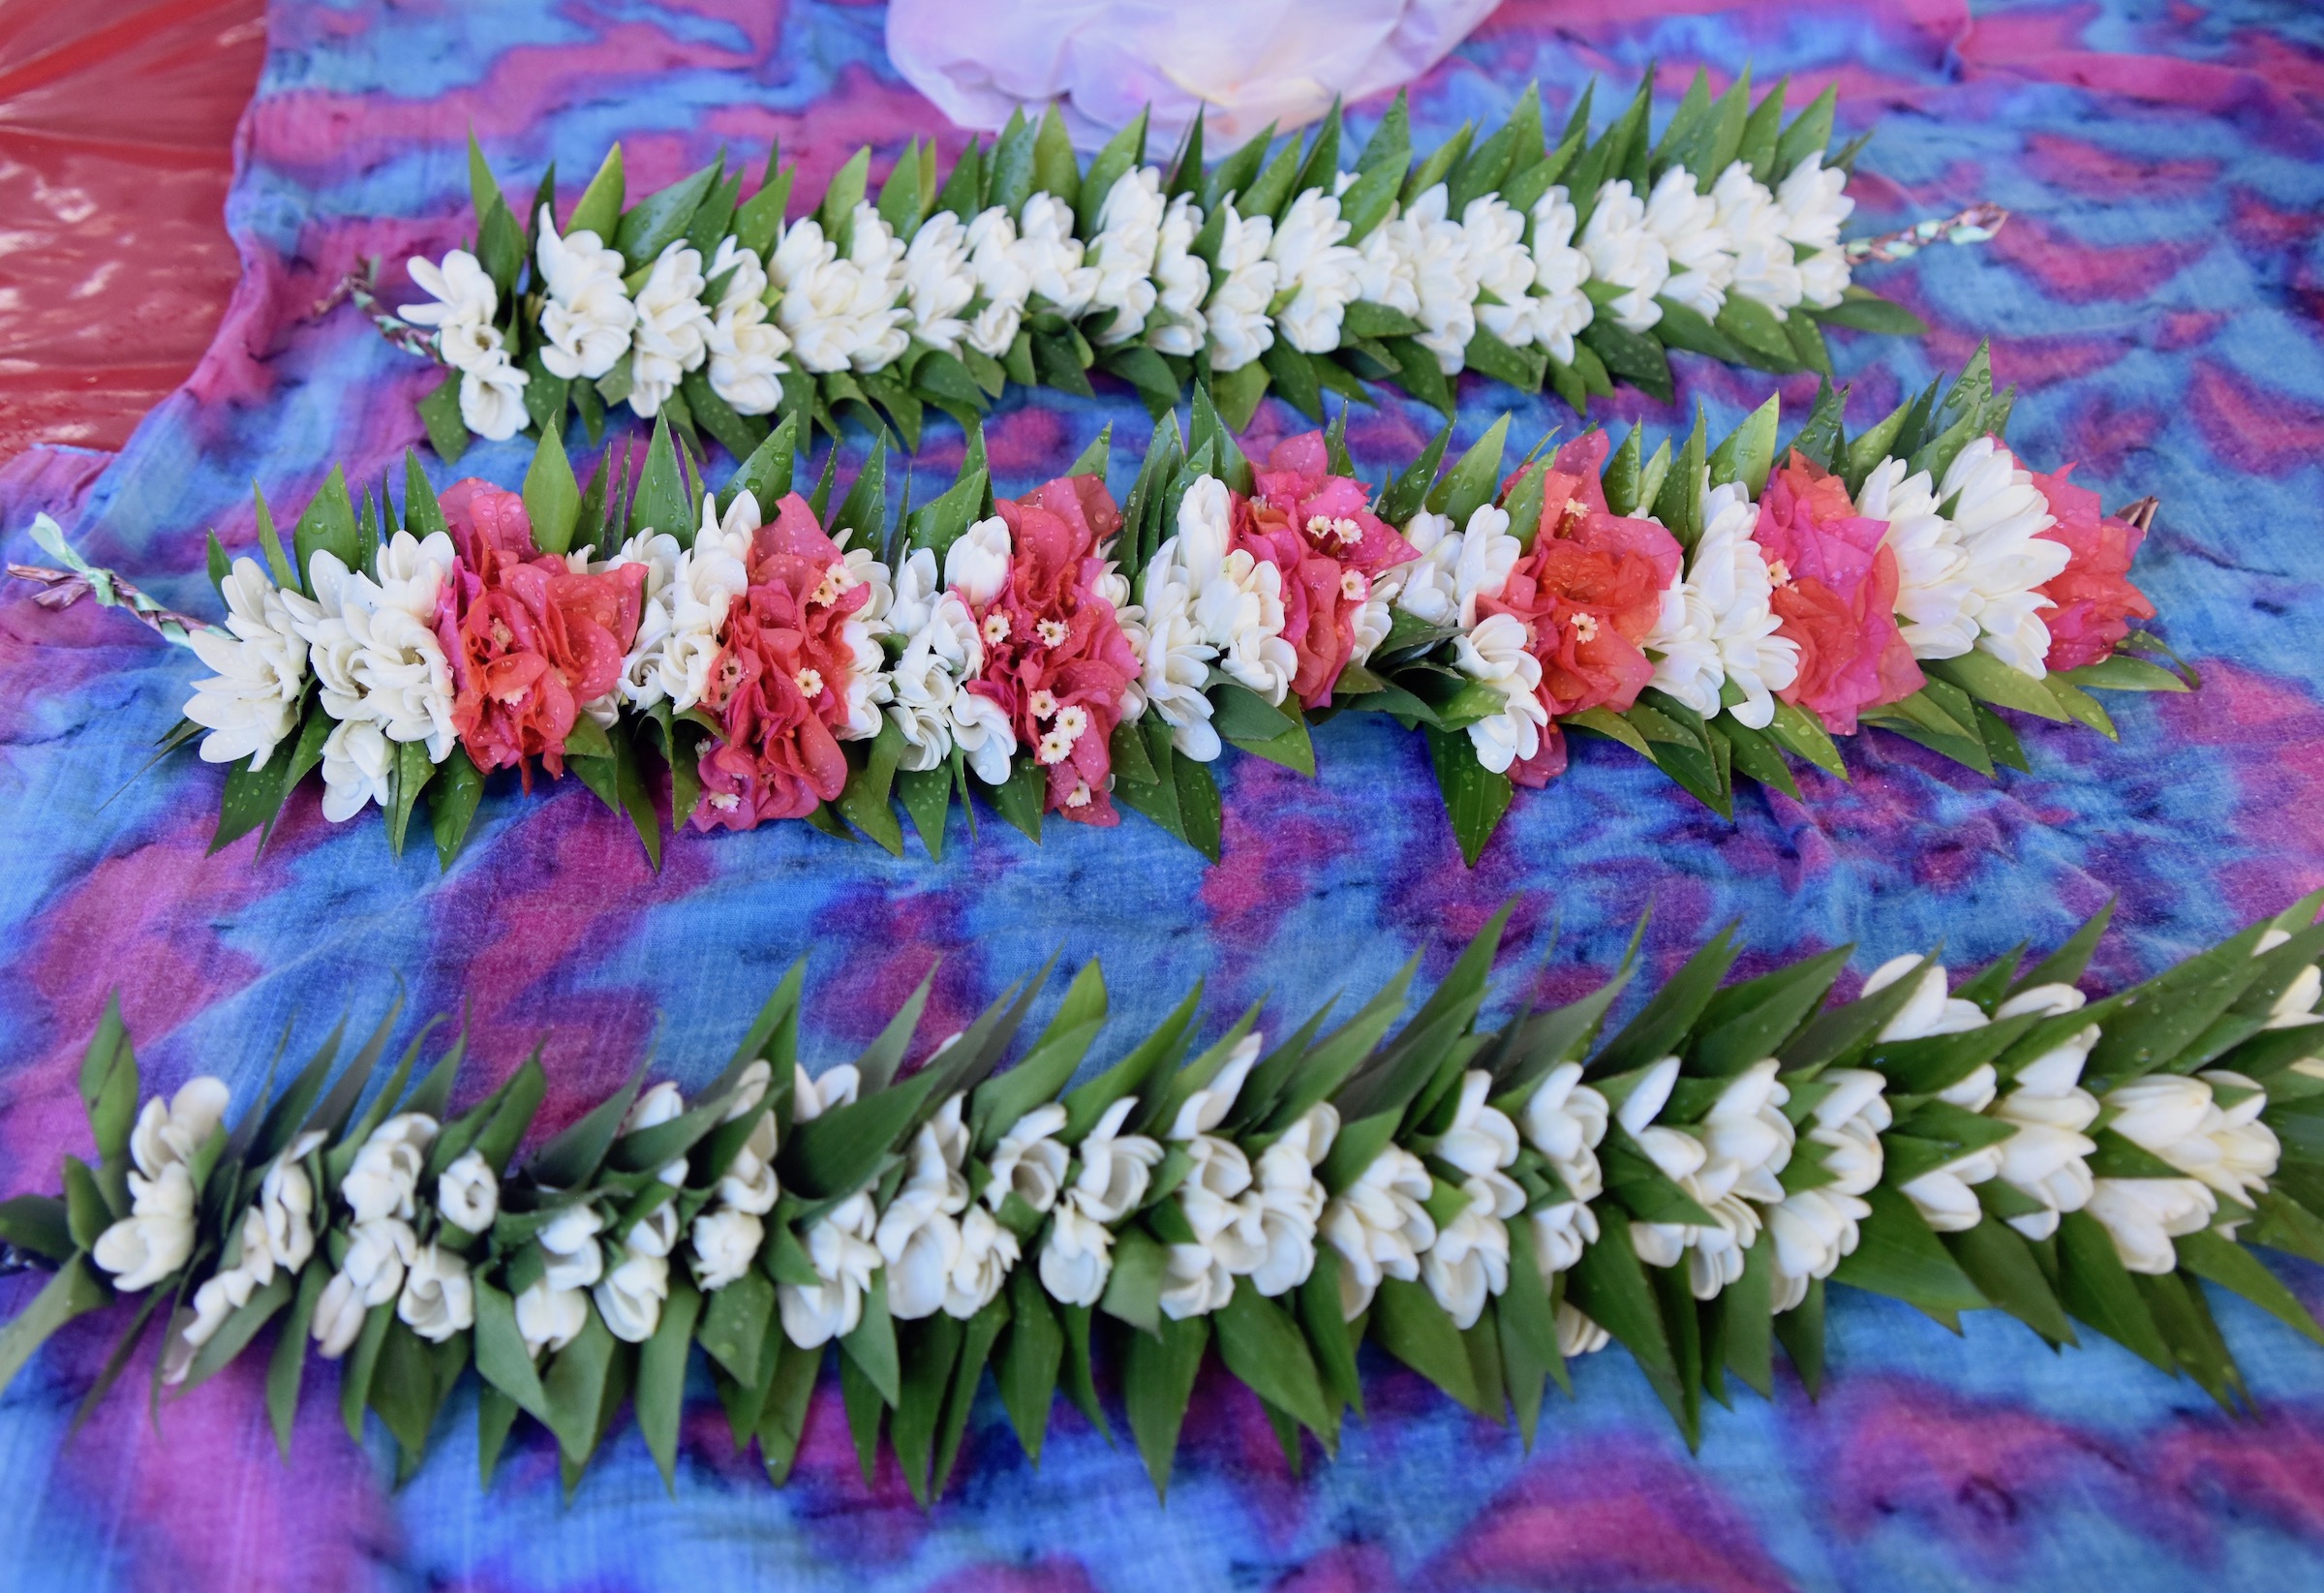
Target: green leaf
[[1263, 1347], [838, 1152], [1020, 798], [1476, 479], [1030, 1358], [782, 1416], [1158, 1381], [661, 219], [1056, 170], [1747, 454], [1988, 679], [2099, 1291], [1897, 1255], [601, 208], [661, 503], [2222, 1261], [1474, 797], [1800, 733], [930, 1349], [74, 1291], [1864, 311], [287, 1367], [2122, 672], [865, 801], [327, 526], [1122, 152], [439, 414], [1809, 131], [1408, 1323], [2001, 1264]]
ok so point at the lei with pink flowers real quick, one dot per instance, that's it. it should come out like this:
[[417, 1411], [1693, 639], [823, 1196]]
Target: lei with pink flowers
[[1719, 609]]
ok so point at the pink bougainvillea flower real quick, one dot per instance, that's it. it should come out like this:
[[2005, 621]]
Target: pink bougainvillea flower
[[1055, 657], [1834, 595], [1319, 530], [779, 688], [1589, 589], [2095, 603], [530, 642]]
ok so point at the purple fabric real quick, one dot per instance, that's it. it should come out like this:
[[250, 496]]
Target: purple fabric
[[2157, 296]]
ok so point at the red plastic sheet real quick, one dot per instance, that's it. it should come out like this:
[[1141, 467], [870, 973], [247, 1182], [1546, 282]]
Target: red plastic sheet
[[116, 143]]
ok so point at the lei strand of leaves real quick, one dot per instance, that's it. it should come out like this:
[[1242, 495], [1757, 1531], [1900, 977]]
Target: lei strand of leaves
[[1420, 671], [891, 392], [1662, 1185]]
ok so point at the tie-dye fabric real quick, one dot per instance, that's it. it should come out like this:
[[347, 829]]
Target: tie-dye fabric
[[2158, 295]]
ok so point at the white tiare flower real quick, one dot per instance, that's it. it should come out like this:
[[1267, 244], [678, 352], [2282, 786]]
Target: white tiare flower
[[1566, 1119], [1685, 647], [1000, 278], [1765, 270], [1176, 325], [1701, 250], [1559, 309], [1029, 1162], [673, 328], [1077, 1259], [811, 1097], [838, 1245], [938, 281], [1814, 206], [1622, 252], [977, 566], [2294, 1005], [1746, 1134], [1176, 662], [1242, 284], [1503, 268], [1205, 1108], [1130, 223], [1113, 1169], [1469, 1262], [918, 1235], [492, 398], [1291, 1200], [1929, 1009], [1427, 587], [250, 704], [841, 313], [1195, 1282], [1498, 652], [371, 1275], [929, 697], [1444, 278], [1234, 600], [726, 1241], [746, 348], [467, 1193], [2047, 1158], [987, 1253], [1481, 1143], [226, 1292], [569, 1241], [630, 1294], [586, 322], [2000, 515], [1714, 1253], [466, 305], [384, 1180], [1380, 1227], [286, 1206], [550, 1318], [1934, 596], [2179, 1119], [1385, 271], [1315, 268], [1051, 255], [2142, 1215], [1815, 1229], [1577, 1334], [157, 1238], [1730, 574], [439, 1299], [1561, 1232]]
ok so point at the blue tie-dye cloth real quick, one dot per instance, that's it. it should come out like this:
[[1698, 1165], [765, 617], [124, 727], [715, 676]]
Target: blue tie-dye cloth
[[2157, 298]]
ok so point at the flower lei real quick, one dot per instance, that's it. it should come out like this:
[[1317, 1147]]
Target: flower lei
[[1572, 263], [1715, 609], [1482, 1204]]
